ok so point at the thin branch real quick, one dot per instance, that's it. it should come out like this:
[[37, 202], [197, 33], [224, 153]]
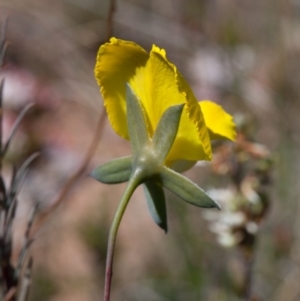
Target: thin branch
[[97, 137], [10, 294], [109, 24], [248, 262], [76, 176]]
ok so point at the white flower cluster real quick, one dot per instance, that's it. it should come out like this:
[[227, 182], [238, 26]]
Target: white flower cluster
[[232, 224]]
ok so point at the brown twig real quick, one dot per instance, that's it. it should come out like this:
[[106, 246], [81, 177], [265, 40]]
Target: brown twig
[[97, 137], [109, 24], [76, 176], [248, 261], [10, 294]]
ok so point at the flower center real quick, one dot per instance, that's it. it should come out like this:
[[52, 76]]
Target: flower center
[[145, 165]]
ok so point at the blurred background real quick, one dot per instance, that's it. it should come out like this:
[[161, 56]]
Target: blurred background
[[244, 55]]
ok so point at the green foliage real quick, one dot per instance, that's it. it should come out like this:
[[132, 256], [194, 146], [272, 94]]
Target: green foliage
[[94, 235], [43, 287]]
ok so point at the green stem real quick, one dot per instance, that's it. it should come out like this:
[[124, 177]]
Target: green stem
[[132, 185]]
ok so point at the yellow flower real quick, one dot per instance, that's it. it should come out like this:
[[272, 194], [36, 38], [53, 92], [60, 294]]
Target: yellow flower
[[158, 85]]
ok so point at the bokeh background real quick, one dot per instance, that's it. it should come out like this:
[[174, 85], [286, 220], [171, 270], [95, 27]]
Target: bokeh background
[[244, 55]]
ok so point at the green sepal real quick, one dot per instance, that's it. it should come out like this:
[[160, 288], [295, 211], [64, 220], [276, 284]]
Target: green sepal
[[166, 132], [113, 172], [137, 126], [186, 189], [156, 202]]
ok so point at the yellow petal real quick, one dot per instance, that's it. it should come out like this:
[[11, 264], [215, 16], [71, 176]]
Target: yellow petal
[[160, 85], [194, 112], [219, 123], [187, 145], [117, 62], [156, 87]]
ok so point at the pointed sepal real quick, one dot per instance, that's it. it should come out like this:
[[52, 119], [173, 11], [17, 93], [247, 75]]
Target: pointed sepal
[[113, 172], [137, 126], [166, 132], [186, 189], [156, 202]]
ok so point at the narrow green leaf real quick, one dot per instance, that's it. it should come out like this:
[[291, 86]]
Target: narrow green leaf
[[156, 202], [17, 181], [21, 174], [26, 243], [166, 132], [113, 172], [3, 196], [137, 125], [1, 94], [3, 42], [1, 115], [186, 189], [16, 126], [23, 291]]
